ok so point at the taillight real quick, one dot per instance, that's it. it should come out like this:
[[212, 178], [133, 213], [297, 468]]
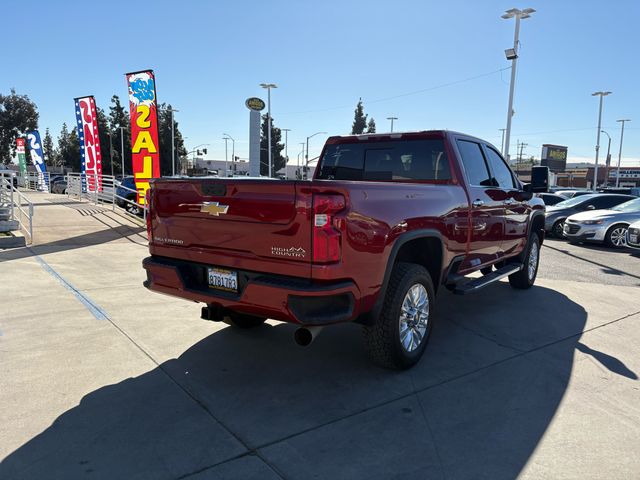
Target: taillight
[[326, 237], [147, 206]]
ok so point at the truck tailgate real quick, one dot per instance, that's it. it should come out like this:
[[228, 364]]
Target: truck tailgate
[[245, 224]]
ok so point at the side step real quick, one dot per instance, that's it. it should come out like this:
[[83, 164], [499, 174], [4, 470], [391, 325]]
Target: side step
[[477, 283]]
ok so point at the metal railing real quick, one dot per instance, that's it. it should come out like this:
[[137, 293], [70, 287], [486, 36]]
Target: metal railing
[[106, 190], [20, 207]]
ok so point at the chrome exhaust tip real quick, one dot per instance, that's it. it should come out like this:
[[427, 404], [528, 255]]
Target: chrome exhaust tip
[[304, 336]]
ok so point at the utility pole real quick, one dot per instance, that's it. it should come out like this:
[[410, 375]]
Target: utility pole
[[392, 119], [620, 151], [512, 54], [595, 170]]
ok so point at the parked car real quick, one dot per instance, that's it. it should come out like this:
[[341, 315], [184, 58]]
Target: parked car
[[60, 186], [574, 193], [550, 199], [608, 226], [126, 195], [633, 236], [556, 215], [386, 222]]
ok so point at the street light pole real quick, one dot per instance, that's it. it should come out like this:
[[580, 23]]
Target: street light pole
[[173, 148], [307, 156], [392, 119], [620, 151], [595, 170], [286, 137], [122, 149], [513, 56], [300, 155], [502, 144], [233, 152], [111, 155], [225, 155], [269, 86], [607, 160]]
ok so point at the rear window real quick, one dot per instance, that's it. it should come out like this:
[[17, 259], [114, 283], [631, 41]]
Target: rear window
[[405, 160]]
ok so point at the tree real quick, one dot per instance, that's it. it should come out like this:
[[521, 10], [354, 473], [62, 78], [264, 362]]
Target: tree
[[68, 149], [48, 149], [278, 160], [119, 117], [18, 114], [371, 126], [164, 138], [359, 120]]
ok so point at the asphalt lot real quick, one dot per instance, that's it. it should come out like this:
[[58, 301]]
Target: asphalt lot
[[102, 379]]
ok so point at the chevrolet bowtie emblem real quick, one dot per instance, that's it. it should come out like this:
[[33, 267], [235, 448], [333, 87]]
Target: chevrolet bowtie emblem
[[214, 208]]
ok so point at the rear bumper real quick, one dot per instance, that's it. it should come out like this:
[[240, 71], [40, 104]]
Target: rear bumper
[[289, 299]]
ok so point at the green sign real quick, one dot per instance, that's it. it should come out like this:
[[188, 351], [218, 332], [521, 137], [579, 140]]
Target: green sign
[[22, 160]]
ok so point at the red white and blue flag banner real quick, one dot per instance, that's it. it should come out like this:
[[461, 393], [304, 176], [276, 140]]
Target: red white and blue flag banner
[[145, 155], [90, 154], [37, 158]]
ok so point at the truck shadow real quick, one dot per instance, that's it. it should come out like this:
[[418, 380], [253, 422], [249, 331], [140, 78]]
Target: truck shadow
[[476, 406]]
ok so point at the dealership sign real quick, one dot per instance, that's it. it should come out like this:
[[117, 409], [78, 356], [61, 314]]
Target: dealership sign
[[554, 157], [144, 130], [255, 103], [89, 138]]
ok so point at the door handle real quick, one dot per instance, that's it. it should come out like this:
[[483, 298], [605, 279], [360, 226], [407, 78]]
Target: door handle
[[477, 203], [509, 201]]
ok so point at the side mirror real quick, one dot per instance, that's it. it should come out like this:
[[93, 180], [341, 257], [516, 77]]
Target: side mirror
[[590, 207]]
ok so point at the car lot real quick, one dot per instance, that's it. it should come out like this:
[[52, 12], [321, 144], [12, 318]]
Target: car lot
[[102, 378]]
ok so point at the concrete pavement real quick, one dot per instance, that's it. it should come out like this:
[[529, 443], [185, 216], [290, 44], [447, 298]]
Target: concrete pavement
[[101, 378]]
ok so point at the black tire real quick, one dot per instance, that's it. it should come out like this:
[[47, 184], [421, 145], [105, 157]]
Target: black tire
[[383, 342], [558, 229], [241, 320], [486, 270], [526, 277], [612, 238], [132, 208]]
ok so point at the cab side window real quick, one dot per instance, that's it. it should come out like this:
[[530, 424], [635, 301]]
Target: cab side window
[[474, 163], [501, 172]]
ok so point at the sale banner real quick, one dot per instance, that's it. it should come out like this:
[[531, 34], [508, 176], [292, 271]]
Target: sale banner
[[145, 154], [37, 158], [89, 138], [22, 159]]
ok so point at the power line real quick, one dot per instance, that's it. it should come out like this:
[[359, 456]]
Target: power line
[[407, 94]]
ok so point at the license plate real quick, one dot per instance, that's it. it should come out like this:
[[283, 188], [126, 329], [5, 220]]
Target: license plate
[[221, 279], [633, 238]]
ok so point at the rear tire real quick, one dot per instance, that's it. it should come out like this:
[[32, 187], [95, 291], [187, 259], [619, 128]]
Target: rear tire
[[241, 320], [526, 277], [616, 236], [400, 335]]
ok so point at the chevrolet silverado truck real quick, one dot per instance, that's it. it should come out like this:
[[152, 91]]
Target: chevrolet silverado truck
[[386, 222]]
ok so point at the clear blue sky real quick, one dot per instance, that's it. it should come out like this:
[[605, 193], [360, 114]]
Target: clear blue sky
[[210, 56]]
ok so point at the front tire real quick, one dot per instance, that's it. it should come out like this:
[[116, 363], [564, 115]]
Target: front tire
[[526, 277], [616, 236], [558, 229], [399, 337]]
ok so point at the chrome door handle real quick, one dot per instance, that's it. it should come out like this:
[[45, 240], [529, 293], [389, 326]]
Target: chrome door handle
[[509, 201], [477, 203]]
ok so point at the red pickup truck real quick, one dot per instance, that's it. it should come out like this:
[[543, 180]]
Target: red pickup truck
[[387, 220]]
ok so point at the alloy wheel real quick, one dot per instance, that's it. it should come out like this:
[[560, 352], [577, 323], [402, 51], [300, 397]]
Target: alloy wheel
[[414, 317]]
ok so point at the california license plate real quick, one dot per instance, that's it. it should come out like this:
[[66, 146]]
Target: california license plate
[[221, 279], [633, 238]]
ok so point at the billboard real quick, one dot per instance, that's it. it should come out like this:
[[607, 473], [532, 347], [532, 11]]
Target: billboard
[[22, 161], [554, 157], [145, 155], [37, 158], [89, 138]]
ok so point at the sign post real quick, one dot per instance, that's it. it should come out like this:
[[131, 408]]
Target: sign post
[[255, 105]]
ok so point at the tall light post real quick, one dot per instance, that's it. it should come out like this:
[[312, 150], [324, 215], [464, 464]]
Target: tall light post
[[620, 151], [301, 155], [502, 144], [306, 163], [173, 138], [233, 151], [286, 137], [225, 156], [269, 86], [392, 119], [595, 170], [111, 155], [512, 54], [607, 159]]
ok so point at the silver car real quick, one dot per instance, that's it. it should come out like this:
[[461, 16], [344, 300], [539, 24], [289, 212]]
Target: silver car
[[633, 235], [608, 226]]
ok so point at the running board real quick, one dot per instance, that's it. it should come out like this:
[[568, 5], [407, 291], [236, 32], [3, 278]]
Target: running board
[[477, 283]]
